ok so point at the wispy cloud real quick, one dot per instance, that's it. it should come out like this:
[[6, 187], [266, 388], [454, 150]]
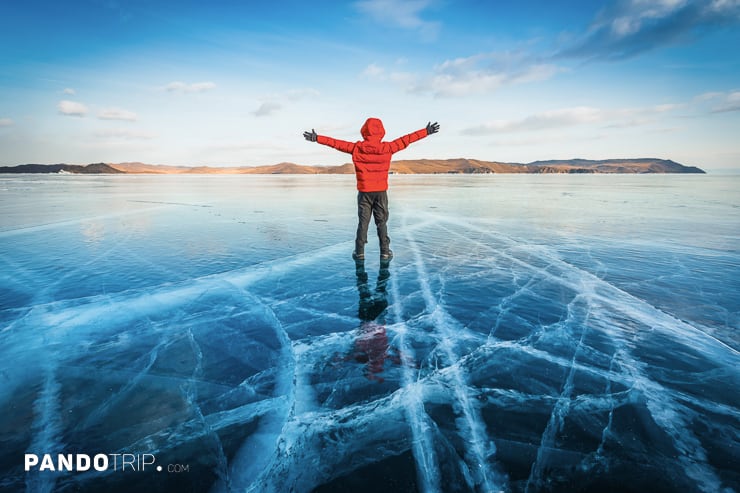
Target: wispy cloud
[[624, 29], [117, 114], [69, 91], [630, 27], [480, 78], [374, 71], [6, 122], [708, 96], [182, 87], [569, 117], [405, 14], [271, 103], [72, 108], [732, 102], [723, 102], [242, 146], [300, 94], [408, 80], [291, 95], [466, 76], [548, 119], [267, 108], [124, 134]]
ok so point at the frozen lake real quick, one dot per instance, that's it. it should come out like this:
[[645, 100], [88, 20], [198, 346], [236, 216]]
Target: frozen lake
[[533, 333]]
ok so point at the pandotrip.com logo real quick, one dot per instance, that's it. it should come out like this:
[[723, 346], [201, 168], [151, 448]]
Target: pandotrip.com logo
[[98, 462]]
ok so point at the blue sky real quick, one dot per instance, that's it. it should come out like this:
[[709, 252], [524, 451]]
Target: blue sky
[[237, 82]]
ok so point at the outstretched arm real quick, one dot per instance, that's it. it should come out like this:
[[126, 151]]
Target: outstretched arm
[[340, 145], [403, 142]]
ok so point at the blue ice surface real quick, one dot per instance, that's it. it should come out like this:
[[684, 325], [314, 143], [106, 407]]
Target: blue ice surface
[[533, 333]]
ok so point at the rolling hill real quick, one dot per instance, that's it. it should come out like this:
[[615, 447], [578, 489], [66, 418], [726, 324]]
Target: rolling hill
[[418, 166]]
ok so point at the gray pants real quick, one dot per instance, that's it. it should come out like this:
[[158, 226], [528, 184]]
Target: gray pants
[[375, 203]]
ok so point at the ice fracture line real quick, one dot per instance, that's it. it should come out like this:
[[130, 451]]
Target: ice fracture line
[[481, 447], [422, 444]]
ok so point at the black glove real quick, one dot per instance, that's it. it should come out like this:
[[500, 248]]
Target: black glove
[[432, 128], [310, 136]]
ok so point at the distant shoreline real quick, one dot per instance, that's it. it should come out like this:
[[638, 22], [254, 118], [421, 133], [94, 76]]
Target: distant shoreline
[[404, 167]]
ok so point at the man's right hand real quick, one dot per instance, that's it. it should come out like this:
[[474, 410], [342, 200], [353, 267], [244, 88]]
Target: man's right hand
[[310, 136], [432, 128]]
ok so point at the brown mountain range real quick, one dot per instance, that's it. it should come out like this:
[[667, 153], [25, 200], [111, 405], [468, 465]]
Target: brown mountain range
[[439, 166], [418, 166]]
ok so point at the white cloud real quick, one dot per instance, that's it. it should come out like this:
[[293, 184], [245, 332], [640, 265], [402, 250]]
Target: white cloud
[[482, 73], [569, 117], [717, 102], [638, 12], [117, 114], [202, 86], [534, 73], [407, 80], [405, 14], [182, 87], [292, 95], [175, 86], [447, 85], [271, 103], [124, 134], [267, 108], [373, 71], [627, 28], [728, 102], [6, 122], [548, 119], [708, 96], [663, 108], [72, 108], [723, 5], [542, 140], [299, 94], [262, 145], [69, 91]]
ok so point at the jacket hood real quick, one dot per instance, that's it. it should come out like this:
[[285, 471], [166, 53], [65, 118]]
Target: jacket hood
[[373, 129]]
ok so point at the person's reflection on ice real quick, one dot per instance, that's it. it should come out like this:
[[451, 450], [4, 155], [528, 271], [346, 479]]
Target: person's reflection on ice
[[371, 345]]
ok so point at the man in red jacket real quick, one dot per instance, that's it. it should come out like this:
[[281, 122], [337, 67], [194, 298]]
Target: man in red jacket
[[372, 159]]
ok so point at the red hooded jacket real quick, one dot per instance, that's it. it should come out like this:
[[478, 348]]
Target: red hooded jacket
[[372, 156]]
